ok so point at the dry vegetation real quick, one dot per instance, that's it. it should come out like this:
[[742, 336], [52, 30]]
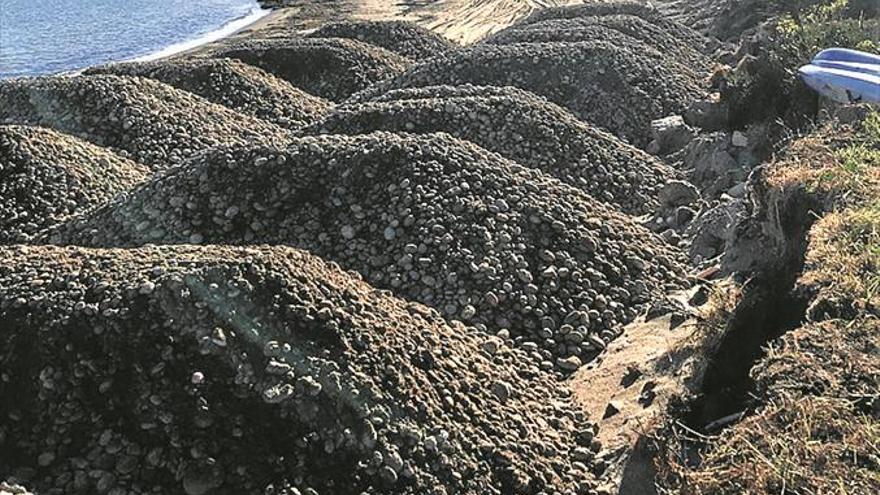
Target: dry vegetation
[[817, 428]]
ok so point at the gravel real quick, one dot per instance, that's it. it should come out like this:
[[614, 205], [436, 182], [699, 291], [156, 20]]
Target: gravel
[[403, 38], [674, 42], [46, 176], [332, 68], [621, 85], [432, 218], [141, 119], [600, 8], [261, 371], [627, 8], [234, 85], [520, 126]]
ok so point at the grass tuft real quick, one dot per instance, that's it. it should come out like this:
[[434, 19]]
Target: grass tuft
[[817, 429]]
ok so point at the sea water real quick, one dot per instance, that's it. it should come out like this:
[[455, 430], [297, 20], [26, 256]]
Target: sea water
[[50, 36]]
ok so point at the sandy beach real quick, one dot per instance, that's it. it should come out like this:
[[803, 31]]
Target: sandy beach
[[461, 21]]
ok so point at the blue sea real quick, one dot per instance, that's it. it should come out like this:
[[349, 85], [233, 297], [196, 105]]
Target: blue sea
[[51, 36]]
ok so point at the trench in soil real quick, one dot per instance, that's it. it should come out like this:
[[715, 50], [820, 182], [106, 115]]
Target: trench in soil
[[771, 306]]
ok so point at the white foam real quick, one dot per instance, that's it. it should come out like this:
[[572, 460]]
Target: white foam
[[225, 30]]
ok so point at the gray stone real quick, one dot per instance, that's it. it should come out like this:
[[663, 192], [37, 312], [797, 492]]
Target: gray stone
[[671, 134], [571, 363], [678, 193]]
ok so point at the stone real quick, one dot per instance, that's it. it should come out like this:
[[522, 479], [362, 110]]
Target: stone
[[197, 378], [708, 114], [571, 363], [388, 475], [678, 193], [611, 409], [46, 458], [739, 139], [713, 168], [671, 134], [201, 480], [683, 216], [501, 390], [738, 191]]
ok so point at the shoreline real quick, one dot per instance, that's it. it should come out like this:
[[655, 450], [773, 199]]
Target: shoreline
[[226, 30], [257, 19], [454, 19]]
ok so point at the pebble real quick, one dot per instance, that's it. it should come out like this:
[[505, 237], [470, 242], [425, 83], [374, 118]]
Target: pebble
[[492, 344], [571, 363], [45, 459]]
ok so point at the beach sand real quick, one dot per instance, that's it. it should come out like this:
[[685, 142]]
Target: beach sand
[[462, 21]]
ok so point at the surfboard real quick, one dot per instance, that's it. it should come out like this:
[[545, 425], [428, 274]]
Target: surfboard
[[845, 76], [847, 55]]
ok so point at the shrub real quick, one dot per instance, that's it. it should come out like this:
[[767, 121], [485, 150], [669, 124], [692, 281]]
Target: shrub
[[765, 86]]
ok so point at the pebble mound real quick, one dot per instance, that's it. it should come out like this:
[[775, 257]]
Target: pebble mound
[[595, 8], [621, 86], [234, 85], [261, 371], [611, 14], [45, 177], [332, 68], [520, 126], [676, 44], [141, 119], [625, 8], [404, 38], [432, 218]]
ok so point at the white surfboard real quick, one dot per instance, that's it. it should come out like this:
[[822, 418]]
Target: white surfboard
[[845, 76]]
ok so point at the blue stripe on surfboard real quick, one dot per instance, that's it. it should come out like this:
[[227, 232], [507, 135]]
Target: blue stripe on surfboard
[[849, 66], [847, 55]]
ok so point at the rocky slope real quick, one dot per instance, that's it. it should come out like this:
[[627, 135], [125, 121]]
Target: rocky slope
[[144, 120], [432, 218], [260, 370], [45, 177], [403, 38], [233, 84], [520, 126], [673, 40], [331, 68], [619, 84]]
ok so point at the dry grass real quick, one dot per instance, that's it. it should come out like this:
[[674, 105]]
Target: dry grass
[[817, 429], [798, 445], [839, 163], [844, 257]]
